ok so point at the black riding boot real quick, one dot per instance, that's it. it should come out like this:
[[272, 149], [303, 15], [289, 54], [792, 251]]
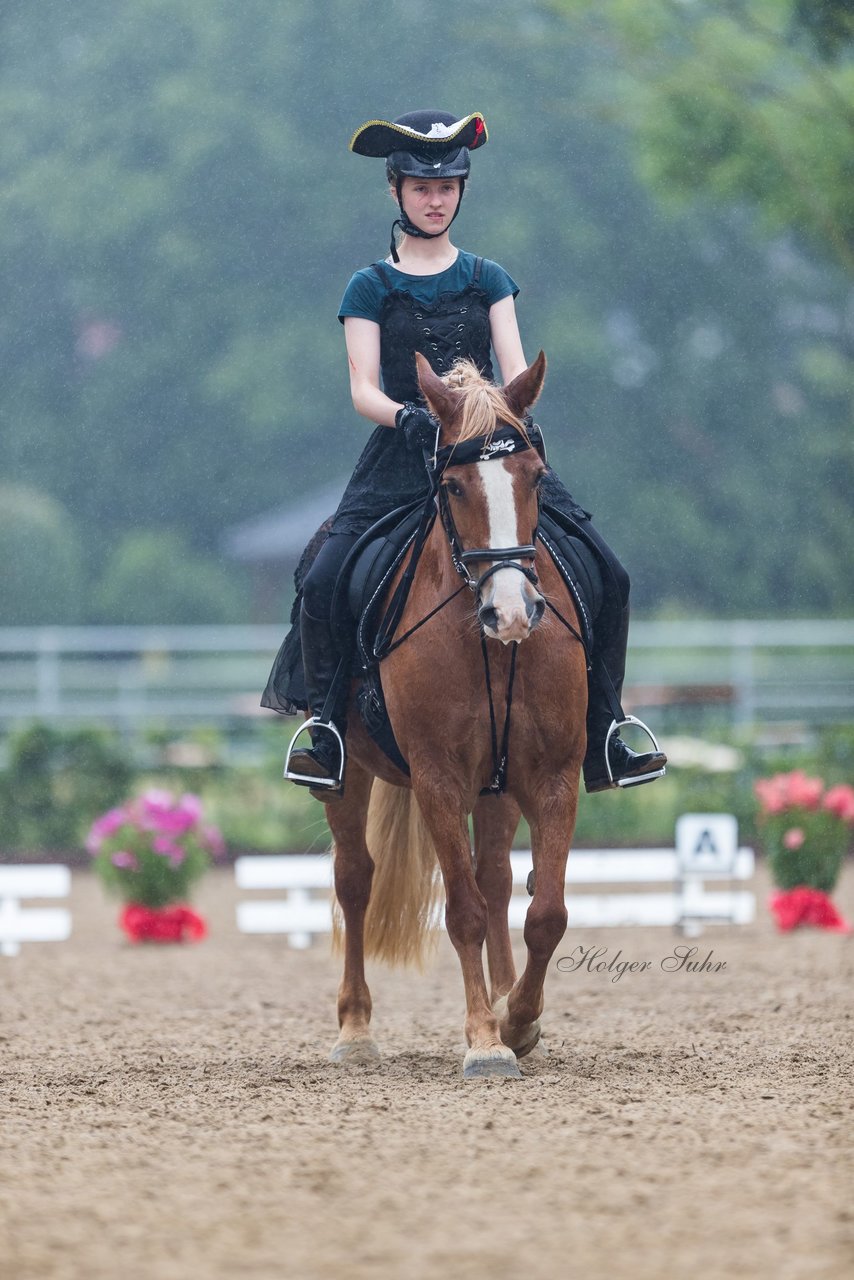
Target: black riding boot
[[625, 763], [324, 759]]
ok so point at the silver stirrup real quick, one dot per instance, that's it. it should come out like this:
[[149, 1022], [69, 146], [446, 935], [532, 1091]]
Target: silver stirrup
[[305, 779], [616, 725]]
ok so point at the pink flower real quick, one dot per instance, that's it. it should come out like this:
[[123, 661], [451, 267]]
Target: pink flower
[[788, 791], [211, 838], [156, 799], [804, 792], [161, 812], [165, 845], [794, 838], [840, 800], [125, 860], [104, 827], [190, 806], [771, 794]]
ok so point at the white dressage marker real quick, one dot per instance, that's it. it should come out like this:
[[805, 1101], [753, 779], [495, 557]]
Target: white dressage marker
[[35, 924], [708, 852]]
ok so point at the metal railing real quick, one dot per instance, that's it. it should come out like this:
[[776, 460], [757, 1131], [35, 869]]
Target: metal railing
[[745, 670]]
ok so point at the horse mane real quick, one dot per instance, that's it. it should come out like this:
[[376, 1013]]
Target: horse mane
[[483, 404]]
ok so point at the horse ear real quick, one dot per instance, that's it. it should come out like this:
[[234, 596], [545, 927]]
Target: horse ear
[[440, 398], [525, 389]]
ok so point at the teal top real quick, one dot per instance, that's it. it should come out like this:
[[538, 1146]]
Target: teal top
[[366, 292]]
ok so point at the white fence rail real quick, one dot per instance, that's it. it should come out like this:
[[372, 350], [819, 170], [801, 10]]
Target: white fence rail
[[32, 924], [132, 675], [305, 909]]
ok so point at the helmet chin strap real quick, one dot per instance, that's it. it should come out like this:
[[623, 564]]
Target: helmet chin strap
[[409, 228]]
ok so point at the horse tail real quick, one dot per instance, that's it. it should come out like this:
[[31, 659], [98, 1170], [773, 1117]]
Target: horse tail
[[401, 924]]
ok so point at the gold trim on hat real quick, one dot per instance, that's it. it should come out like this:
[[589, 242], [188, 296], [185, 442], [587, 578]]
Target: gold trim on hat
[[415, 136]]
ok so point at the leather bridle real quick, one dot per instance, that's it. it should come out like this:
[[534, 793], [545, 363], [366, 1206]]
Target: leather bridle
[[502, 557]]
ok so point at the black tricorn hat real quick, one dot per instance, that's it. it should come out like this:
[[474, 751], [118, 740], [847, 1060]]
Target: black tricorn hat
[[428, 135]]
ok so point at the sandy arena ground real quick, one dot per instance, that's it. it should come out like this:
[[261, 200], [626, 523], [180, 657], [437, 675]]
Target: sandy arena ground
[[169, 1114]]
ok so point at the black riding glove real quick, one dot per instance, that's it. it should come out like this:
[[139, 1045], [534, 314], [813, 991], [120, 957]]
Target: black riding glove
[[418, 425]]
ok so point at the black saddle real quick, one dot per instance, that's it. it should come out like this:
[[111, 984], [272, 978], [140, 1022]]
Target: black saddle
[[364, 575], [360, 594], [578, 564], [362, 590]]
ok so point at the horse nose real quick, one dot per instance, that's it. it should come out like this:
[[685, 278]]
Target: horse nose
[[488, 616], [535, 609]]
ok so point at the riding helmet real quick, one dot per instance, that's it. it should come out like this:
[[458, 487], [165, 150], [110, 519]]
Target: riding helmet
[[421, 144]]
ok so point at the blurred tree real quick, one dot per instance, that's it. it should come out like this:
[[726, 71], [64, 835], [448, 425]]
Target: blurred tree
[[740, 100], [56, 783], [41, 577], [154, 577], [740, 116], [179, 217]]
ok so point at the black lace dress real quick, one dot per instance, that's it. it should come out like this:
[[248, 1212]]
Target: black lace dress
[[456, 325]]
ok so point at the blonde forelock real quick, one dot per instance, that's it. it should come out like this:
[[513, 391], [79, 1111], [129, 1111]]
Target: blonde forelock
[[483, 404]]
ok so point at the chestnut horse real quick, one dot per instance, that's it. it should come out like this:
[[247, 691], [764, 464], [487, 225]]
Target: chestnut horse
[[389, 830]]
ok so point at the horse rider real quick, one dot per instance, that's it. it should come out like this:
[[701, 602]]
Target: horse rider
[[431, 297]]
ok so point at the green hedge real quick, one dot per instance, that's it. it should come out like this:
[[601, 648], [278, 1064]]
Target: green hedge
[[57, 781]]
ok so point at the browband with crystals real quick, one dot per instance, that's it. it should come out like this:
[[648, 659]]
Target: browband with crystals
[[503, 443]]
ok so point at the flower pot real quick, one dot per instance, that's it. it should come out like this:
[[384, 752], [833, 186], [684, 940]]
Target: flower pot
[[804, 905], [172, 923], [806, 832]]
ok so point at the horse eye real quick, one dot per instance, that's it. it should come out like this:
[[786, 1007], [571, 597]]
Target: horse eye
[[453, 489]]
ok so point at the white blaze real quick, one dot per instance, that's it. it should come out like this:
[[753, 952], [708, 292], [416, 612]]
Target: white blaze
[[505, 590]]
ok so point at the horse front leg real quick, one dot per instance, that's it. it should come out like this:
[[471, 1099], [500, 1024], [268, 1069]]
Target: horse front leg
[[354, 871], [552, 822], [466, 918], [495, 821]]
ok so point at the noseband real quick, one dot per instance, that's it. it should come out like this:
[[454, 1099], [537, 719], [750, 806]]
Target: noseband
[[504, 442]]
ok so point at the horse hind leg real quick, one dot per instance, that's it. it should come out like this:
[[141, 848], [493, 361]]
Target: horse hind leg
[[354, 870]]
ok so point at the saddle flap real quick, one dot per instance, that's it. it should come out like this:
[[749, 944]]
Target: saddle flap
[[578, 565], [370, 560]]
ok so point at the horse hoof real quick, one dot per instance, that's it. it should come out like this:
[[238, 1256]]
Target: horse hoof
[[531, 1041], [355, 1051], [530, 1033], [480, 1064]]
